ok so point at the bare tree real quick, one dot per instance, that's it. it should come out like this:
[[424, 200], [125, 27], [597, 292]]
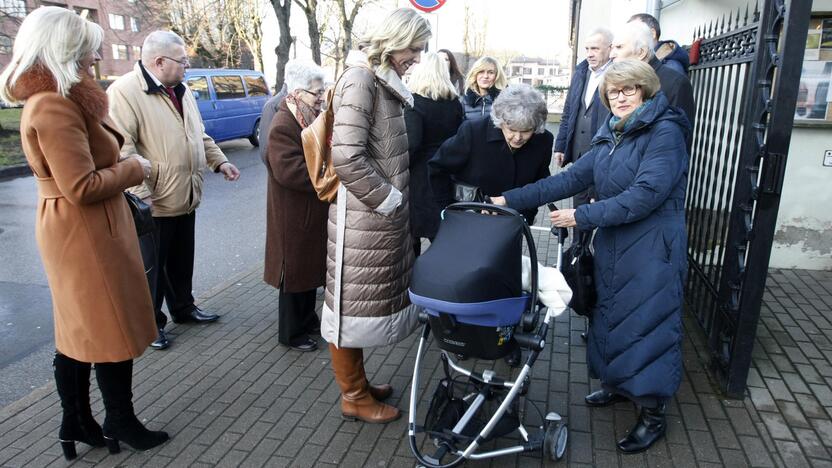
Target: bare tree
[[310, 9], [246, 16], [473, 35], [283, 9], [206, 30]]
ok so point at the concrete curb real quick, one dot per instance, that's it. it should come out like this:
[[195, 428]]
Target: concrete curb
[[10, 172]]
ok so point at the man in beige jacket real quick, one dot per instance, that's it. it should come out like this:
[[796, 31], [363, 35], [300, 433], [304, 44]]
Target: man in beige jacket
[[160, 121]]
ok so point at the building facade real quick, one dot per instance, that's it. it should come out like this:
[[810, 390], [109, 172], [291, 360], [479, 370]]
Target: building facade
[[125, 23]]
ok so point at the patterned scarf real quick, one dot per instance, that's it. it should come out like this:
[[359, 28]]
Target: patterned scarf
[[304, 113], [620, 126]]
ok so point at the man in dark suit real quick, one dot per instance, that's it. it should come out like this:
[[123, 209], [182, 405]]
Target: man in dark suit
[[584, 112], [635, 41]]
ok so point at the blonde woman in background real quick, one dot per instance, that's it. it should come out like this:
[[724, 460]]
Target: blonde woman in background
[[435, 116], [483, 84], [102, 309], [369, 247]]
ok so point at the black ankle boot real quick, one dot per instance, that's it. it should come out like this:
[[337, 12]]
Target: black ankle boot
[[651, 427], [603, 398], [72, 379], [121, 424]]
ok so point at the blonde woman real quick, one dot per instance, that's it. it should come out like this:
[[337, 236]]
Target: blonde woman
[[483, 84], [102, 308], [369, 247], [435, 116]]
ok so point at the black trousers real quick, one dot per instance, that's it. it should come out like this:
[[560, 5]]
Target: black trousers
[[175, 241], [296, 315]]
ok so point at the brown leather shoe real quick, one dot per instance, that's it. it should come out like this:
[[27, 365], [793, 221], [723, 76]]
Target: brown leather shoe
[[357, 402], [381, 392]]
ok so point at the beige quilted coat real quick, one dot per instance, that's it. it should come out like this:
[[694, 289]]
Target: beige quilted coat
[[369, 251]]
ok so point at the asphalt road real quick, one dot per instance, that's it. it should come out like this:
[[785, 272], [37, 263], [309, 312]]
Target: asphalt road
[[230, 235]]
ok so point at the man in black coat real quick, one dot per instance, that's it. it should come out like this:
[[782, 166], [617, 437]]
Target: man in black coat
[[635, 41], [583, 112]]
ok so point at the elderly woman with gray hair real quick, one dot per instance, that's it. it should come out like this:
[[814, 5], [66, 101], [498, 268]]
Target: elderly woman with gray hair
[[295, 218], [509, 150]]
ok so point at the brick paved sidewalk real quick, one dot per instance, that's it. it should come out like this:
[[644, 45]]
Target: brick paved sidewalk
[[229, 395]]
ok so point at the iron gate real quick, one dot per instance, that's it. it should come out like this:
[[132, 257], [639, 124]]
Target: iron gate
[[745, 86]]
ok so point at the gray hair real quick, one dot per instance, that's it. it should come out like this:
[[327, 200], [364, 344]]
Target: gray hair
[[299, 75], [641, 37], [603, 32], [159, 43], [520, 106]]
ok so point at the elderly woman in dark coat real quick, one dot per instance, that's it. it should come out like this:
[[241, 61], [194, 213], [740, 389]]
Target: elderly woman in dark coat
[[638, 165], [435, 116], [296, 219], [509, 150]]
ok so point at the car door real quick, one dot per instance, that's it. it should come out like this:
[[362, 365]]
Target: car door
[[258, 94], [198, 84], [231, 106]]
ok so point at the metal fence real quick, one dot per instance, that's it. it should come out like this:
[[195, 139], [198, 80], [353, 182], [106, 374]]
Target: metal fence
[[745, 85]]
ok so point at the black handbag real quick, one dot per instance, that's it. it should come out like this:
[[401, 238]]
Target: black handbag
[[467, 193], [142, 215], [578, 270]]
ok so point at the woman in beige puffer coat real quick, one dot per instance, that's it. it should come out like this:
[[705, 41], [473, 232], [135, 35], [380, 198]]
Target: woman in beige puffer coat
[[369, 247]]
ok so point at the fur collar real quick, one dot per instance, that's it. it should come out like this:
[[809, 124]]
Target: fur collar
[[87, 94], [385, 75]]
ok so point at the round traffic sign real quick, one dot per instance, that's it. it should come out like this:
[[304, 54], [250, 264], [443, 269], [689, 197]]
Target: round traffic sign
[[427, 5]]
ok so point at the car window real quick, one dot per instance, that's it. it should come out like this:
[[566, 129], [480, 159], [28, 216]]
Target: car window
[[228, 87], [200, 85], [256, 86]]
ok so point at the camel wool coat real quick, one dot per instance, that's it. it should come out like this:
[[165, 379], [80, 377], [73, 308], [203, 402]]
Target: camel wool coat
[[84, 228], [369, 249]]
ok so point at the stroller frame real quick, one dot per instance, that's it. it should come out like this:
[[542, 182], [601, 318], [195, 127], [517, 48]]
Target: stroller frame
[[551, 438]]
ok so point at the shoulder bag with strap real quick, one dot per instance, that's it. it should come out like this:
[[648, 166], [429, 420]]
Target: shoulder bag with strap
[[317, 148], [578, 271]]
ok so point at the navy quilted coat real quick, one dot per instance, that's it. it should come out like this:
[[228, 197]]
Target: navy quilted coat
[[635, 336]]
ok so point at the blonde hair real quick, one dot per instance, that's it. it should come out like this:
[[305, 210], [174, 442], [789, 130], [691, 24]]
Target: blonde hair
[[629, 73], [480, 65], [402, 29], [55, 38], [431, 79]]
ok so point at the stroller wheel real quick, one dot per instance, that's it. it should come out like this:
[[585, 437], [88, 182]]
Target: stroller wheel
[[554, 441]]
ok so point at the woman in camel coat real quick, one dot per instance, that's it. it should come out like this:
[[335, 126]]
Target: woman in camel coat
[[87, 239]]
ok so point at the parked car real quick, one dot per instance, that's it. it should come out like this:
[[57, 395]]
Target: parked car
[[230, 101]]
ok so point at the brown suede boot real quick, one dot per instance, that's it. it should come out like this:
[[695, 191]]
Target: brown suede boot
[[356, 400], [379, 392]]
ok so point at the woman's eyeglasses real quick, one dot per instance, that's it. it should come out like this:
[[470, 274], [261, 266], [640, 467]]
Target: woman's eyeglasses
[[627, 91], [317, 94]]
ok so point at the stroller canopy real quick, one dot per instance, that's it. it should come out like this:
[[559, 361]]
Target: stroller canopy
[[474, 258]]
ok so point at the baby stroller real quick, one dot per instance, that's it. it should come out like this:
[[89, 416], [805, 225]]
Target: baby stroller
[[469, 285]]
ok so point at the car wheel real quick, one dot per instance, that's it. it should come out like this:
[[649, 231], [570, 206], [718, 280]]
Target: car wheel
[[254, 138]]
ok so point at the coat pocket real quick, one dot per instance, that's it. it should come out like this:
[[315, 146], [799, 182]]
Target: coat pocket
[[110, 216]]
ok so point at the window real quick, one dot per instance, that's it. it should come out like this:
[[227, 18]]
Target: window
[[87, 13], [256, 86], [228, 87], [15, 8], [134, 24], [814, 94], [5, 45], [527, 70], [116, 22], [119, 52], [541, 71], [200, 85], [137, 52]]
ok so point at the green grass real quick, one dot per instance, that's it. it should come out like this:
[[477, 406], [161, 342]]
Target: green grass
[[10, 152]]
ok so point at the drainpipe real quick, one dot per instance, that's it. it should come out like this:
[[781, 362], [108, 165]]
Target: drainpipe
[[654, 7]]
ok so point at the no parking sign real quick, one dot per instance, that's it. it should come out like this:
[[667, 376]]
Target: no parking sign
[[427, 5]]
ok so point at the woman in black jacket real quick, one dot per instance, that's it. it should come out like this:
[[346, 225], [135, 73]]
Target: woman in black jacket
[[482, 86], [434, 117], [506, 151]]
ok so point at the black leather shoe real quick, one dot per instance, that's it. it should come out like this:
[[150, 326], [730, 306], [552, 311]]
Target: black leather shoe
[[196, 315], [649, 428], [304, 344], [162, 341], [603, 398]]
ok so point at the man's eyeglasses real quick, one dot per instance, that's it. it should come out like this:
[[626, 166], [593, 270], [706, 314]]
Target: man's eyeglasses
[[184, 62], [627, 91]]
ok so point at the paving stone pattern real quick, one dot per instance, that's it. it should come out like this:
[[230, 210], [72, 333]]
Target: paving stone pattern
[[231, 396]]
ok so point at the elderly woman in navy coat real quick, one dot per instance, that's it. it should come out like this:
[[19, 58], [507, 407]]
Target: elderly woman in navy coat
[[638, 165]]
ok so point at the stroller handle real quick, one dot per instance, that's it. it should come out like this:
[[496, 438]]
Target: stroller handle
[[502, 210]]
